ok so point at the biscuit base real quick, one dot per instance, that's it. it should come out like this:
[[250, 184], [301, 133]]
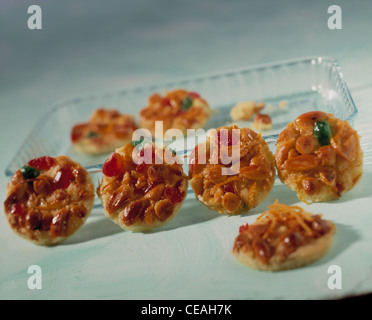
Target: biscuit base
[[302, 256]]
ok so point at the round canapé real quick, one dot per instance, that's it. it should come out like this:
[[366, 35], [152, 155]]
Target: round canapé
[[178, 109], [319, 156], [142, 188], [283, 237], [105, 131], [49, 199], [233, 171]]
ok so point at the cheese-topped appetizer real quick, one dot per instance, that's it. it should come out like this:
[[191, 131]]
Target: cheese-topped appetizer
[[142, 188], [233, 171], [177, 109], [105, 131], [49, 199], [283, 237], [319, 156]]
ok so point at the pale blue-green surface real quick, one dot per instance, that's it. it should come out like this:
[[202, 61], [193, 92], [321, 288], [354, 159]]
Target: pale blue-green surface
[[96, 45]]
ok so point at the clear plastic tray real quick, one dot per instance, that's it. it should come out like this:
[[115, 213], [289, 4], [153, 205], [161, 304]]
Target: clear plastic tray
[[314, 83]]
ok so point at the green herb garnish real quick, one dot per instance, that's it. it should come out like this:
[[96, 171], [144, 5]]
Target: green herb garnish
[[137, 142], [186, 103], [322, 131], [29, 172], [173, 151], [92, 134]]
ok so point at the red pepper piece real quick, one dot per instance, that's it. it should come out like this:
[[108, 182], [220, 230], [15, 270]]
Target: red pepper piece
[[194, 95], [113, 166], [165, 102], [243, 227], [42, 163], [16, 209], [141, 167], [78, 132], [63, 178], [228, 188], [173, 194]]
